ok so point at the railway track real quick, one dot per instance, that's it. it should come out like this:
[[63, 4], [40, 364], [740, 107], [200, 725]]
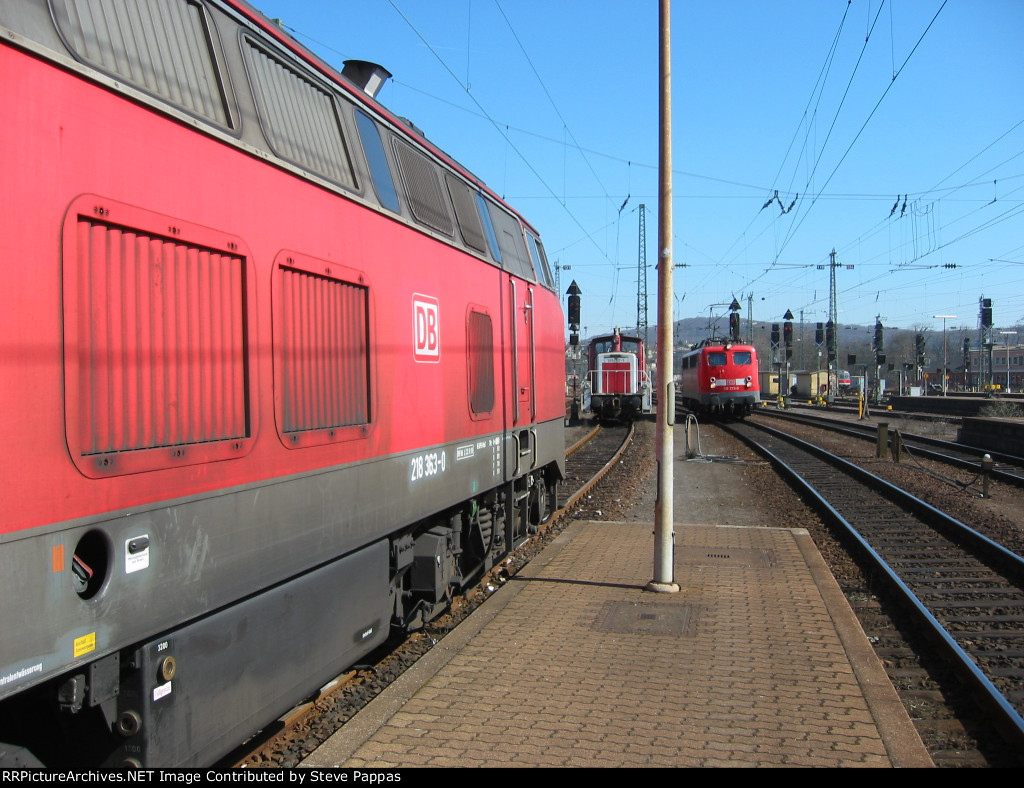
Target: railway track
[[853, 407], [1005, 468], [588, 460], [295, 735], [964, 591]]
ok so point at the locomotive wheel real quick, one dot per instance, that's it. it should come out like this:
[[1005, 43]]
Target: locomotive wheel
[[539, 511]]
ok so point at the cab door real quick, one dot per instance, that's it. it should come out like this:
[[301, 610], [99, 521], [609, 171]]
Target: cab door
[[522, 339], [524, 358]]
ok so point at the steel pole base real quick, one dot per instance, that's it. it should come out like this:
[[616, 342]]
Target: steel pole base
[[662, 588]]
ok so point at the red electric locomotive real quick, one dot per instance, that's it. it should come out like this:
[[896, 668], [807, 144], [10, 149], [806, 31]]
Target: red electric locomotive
[[719, 378], [618, 385], [278, 375]]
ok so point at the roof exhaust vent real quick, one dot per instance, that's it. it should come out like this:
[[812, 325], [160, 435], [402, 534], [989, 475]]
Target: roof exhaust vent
[[367, 76]]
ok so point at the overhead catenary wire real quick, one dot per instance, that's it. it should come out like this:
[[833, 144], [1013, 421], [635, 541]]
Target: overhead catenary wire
[[867, 120], [497, 126], [934, 234]]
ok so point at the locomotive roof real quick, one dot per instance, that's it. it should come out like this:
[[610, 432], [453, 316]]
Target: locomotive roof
[[408, 130], [603, 337], [716, 344]]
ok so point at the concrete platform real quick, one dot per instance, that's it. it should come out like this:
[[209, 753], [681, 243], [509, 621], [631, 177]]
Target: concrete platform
[[757, 661]]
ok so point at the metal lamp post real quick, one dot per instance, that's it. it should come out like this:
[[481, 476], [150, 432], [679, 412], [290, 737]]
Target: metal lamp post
[[944, 353]]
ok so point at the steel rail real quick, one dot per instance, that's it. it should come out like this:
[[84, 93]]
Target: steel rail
[[1007, 718], [589, 485], [582, 441], [919, 444]]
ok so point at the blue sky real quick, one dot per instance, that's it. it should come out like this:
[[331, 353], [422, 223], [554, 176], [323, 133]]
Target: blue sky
[[893, 132]]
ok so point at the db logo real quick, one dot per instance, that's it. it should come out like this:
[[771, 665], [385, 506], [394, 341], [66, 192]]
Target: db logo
[[426, 328]]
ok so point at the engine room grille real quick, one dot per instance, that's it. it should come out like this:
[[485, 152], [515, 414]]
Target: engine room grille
[[424, 189], [160, 341], [299, 118], [466, 214], [324, 340], [164, 48]]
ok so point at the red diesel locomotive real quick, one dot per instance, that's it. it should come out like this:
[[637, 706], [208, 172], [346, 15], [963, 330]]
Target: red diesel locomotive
[[278, 375], [719, 377], [618, 385]]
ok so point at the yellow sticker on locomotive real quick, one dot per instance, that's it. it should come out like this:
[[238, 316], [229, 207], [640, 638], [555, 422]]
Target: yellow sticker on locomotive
[[85, 644]]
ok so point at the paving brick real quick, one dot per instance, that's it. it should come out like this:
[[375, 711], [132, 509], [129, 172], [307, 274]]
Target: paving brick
[[759, 676]]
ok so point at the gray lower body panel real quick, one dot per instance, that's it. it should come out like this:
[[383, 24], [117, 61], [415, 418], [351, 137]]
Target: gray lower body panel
[[252, 662], [207, 552]]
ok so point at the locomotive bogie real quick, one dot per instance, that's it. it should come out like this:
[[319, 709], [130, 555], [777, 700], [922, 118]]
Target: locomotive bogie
[[246, 398]]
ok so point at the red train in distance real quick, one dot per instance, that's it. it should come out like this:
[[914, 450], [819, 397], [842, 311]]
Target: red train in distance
[[278, 376], [618, 386], [719, 378]]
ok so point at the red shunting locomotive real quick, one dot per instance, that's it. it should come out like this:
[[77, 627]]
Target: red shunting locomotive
[[618, 386]]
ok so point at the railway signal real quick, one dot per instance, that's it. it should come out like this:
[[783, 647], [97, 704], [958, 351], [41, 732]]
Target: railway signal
[[879, 358], [986, 312], [574, 294], [787, 333], [985, 340]]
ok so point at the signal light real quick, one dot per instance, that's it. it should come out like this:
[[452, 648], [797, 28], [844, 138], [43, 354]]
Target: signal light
[[819, 334], [775, 333], [734, 325], [574, 294], [986, 312], [574, 310]]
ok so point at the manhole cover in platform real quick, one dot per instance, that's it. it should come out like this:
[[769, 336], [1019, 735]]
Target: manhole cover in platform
[[719, 556], [646, 619]]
